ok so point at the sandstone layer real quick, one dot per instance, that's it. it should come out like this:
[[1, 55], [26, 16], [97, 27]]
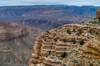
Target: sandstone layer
[[69, 45]]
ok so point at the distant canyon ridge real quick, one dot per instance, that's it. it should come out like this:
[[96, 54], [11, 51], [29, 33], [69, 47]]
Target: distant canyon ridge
[[47, 16]]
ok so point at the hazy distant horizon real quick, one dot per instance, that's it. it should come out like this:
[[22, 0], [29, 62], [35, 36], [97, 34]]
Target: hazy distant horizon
[[49, 5], [49, 2]]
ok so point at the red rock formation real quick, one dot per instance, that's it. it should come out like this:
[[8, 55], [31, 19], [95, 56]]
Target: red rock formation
[[98, 13]]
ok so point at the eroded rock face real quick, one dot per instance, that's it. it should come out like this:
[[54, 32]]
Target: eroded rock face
[[70, 45], [11, 31], [98, 13], [16, 44]]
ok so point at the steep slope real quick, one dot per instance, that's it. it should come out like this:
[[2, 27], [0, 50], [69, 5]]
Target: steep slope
[[70, 45], [16, 44]]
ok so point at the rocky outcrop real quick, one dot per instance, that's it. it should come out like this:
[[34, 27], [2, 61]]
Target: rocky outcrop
[[16, 44], [98, 13], [70, 45]]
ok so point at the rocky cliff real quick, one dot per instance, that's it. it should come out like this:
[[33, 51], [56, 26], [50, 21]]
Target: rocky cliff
[[16, 44], [70, 45]]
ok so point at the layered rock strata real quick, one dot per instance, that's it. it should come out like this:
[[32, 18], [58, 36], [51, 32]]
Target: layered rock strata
[[16, 43], [70, 45]]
